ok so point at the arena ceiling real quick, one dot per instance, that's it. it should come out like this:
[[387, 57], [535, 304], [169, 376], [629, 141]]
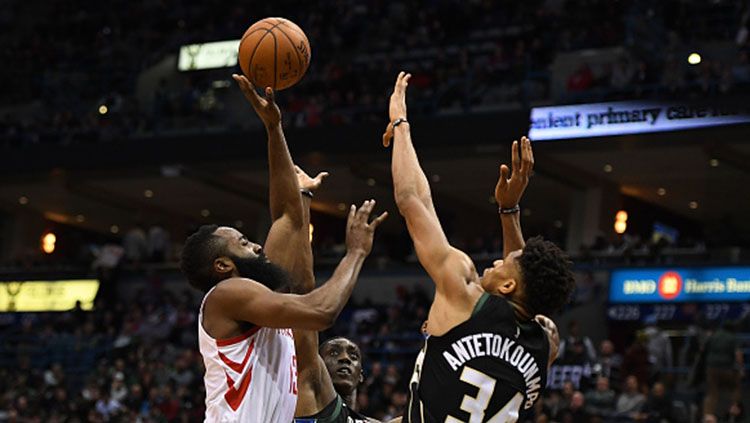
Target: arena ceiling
[[714, 173]]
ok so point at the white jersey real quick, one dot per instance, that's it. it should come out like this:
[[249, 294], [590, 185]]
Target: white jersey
[[251, 377]]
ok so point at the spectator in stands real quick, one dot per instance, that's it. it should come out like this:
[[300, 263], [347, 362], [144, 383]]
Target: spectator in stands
[[630, 402], [658, 407], [659, 347], [575, 348], [600, 402], [725, 368], [609, 362], [134, 243], [575, 412], [581, 80], [157, 243], [636, 360]]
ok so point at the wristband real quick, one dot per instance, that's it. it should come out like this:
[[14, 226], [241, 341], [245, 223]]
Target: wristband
[[399, 121], [512, 210], [306, 192]]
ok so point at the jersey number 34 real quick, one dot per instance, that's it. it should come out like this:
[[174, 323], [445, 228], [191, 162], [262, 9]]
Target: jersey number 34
[[477, 405]]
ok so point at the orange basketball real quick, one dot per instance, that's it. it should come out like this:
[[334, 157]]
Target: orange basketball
[[274, 52]]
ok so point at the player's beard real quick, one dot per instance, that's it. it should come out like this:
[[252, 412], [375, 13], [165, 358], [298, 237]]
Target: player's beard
[[262, 271]]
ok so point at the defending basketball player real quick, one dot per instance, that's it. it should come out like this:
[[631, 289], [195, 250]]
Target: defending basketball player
[[329, 374], [244, 323], [486, 356]]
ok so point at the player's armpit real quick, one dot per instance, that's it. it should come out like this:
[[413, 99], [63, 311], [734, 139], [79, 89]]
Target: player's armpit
[[449, 267], [316, 389], [249, 301]]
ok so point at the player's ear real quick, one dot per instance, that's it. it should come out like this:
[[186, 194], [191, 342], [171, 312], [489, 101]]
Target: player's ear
[[223, 265], [507, 286]]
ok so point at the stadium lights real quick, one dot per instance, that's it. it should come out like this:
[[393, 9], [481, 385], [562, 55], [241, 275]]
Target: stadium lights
[[103, 109], [114, 229], [148, 193], [694, 58], [23, 200], [48, 242], [205, 213], [621, 222], [608, 168], [661, 192], [693, 205], [714, 162], [80, 218]]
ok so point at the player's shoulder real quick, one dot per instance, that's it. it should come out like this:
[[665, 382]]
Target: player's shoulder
[[234, 289]]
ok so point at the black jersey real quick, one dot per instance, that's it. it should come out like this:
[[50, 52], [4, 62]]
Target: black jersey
[[335, 412], [490, 368]]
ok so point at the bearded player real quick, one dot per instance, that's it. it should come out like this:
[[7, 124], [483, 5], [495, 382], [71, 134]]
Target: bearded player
[[486, 356], [243, 324]]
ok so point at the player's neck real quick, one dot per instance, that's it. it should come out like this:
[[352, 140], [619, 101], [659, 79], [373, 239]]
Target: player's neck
[[350, 399], [520, 312]]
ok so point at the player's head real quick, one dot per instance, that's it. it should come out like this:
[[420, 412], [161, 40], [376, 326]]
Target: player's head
[[214, 253], [343, 360], [538, 277]]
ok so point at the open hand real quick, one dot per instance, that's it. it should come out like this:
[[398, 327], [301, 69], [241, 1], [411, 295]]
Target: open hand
[[265, 107], [397, 107], [508, 191], [360, 233], [306, 182]]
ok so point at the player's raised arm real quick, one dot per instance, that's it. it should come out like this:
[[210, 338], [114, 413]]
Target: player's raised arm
[[508, 193], [448, 267], [315, 388], [284, 192], [249, 301]]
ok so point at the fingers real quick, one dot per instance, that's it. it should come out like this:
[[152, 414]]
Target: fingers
[[378, 220], [527, 159], [504, 173], [270, 94], [516, 161], [364, 211], [388, 135], [320, 176], [402, 81], [350, 217], [247, 89]]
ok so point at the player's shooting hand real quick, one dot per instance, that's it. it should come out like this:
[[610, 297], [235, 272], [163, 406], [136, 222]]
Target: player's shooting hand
[[360, 232], [397, 107], [306, 182], [265, 107], [509, 190]]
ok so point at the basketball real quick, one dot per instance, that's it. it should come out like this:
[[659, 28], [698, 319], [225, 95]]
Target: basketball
[[274, 52]]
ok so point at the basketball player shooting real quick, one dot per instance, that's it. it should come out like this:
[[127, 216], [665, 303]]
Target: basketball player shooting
[[244, 323], [486, 356]]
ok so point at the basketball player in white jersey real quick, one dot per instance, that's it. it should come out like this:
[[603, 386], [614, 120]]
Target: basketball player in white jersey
[[244, 323]]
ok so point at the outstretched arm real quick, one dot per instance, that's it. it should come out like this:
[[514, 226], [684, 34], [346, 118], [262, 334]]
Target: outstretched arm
[[249, 301], [315, 388], [508, 193], [284, 194], [448, 267]]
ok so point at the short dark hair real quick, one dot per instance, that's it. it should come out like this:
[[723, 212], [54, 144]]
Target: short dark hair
[[547, 277], [198, 254]]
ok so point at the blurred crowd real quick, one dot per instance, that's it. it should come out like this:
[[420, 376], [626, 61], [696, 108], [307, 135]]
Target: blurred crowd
[[465, 56], [137, 361]]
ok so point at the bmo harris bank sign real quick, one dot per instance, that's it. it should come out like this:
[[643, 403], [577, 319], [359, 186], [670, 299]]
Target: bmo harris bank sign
[[706, 284], [629, 117]]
